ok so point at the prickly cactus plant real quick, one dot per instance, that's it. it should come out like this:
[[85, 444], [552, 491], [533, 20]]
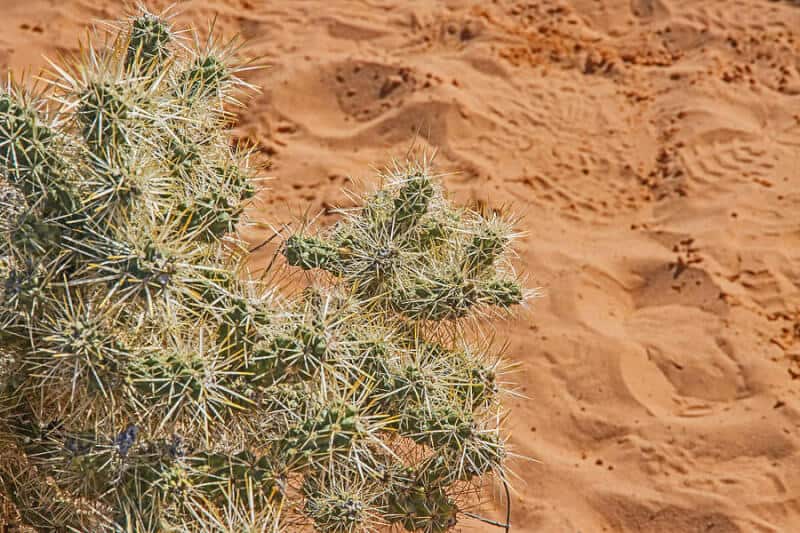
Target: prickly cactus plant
[[149, 383], [125, 315], [381, 339]]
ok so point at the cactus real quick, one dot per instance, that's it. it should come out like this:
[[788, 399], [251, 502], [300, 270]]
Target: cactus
[[400, 273], [412, 253], [148, 382]]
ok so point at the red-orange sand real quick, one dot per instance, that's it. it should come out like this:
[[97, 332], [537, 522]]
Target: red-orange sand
[[653, 147]]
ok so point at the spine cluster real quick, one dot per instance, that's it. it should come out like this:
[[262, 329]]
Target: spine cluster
[[149, 383]]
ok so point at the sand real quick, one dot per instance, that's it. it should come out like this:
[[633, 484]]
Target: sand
[[653, 148]]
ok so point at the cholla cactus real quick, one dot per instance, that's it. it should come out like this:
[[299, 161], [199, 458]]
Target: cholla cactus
[[125, 312], [411, 252], [149, 383], [420, 425]]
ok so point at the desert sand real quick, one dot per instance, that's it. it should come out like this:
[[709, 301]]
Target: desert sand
[[653, 150]]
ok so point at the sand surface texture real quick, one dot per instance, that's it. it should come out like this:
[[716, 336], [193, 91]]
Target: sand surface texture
[[653, 147]]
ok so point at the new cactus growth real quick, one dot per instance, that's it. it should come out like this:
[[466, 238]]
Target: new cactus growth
[[148, 45], [149, 383]]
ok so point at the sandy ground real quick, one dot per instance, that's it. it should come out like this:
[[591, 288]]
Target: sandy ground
[[653, 147]]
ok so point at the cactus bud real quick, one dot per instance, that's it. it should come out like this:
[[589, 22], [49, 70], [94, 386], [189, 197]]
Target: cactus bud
[[412, 201], [339, 503], [423, 508], [486, 246], [103, 111], [148, 48], [310, 252], [204, 78], [26, 146], [501, 292]]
